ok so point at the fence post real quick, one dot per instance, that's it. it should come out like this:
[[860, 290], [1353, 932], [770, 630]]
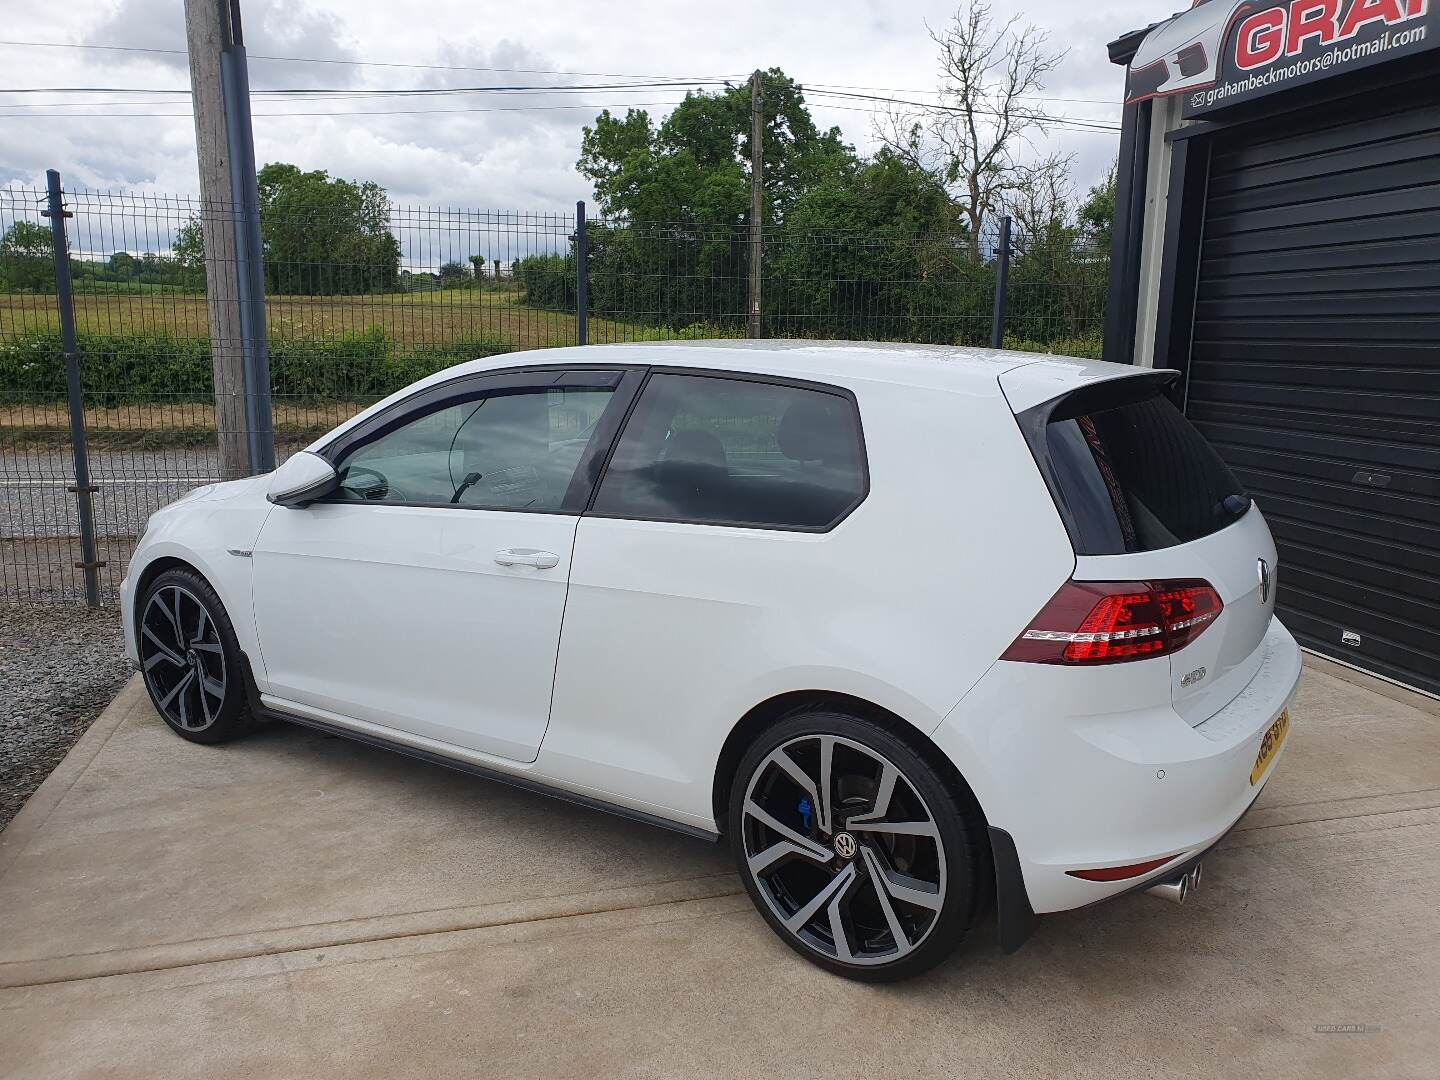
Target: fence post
[[582, 274], [249, 248], [755, 320], [64, 300], [1002, 279]]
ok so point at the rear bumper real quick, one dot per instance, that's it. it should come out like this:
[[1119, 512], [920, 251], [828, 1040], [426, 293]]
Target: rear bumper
[[1016, 918], [1077, 778]]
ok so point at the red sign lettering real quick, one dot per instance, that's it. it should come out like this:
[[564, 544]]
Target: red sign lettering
[[1318, 19], [1364, 12], [1261, 39], [1287, 29]]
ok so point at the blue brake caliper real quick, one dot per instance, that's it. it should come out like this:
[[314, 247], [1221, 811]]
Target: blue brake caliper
[[804, 809]]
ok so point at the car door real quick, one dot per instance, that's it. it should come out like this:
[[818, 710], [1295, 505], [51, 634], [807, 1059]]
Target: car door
[[718, 531], [426, 594]]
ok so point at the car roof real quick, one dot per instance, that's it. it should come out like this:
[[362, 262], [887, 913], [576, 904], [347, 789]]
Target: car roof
[[954, 368], [941, 367]]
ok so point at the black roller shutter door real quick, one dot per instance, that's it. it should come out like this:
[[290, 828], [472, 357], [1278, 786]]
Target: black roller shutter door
[[1315, 364]]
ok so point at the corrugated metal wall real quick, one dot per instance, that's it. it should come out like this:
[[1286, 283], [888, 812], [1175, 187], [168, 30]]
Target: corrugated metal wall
[[1315, 364]]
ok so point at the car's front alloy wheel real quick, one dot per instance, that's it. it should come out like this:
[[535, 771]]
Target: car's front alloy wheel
[[189, 658], [853, 848]]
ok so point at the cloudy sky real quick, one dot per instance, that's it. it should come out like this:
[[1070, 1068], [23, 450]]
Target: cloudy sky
[[482, 150]]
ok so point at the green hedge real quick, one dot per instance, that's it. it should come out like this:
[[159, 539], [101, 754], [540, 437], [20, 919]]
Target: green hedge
[[1088, 347], [141, 367]]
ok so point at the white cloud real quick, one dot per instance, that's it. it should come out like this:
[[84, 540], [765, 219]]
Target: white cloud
[[488, 159]]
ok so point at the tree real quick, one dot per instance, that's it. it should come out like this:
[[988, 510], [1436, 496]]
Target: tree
[[122, 265], [877, 250], [324, 235], [1058, 281], [971, 141], [1040, 198], [1097, 212], [26, 257], [695, 166], [684, 188], [189, 247], [453, 275]]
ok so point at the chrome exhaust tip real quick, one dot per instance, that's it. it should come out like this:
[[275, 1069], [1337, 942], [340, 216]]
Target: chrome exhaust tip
[[1174, 891], [1177, 889]]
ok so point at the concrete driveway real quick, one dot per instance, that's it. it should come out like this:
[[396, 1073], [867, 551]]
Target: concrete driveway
[[300, 906]]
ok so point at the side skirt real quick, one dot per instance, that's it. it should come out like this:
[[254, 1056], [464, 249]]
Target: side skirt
[[524, 783]]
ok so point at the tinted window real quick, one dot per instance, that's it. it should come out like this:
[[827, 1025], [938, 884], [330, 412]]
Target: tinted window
[[1137, 476], [727, 451], [508, 451]]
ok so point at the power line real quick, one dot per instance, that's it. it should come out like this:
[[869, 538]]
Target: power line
[[521, 71], [1050, 123], [175, 97], [357, 63], [424, 91], [361, 112], [1042, 119], [913, 90], [451, 112], [311, 94]]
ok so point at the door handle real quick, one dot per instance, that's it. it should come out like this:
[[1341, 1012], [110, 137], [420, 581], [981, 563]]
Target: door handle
[[541, 560]]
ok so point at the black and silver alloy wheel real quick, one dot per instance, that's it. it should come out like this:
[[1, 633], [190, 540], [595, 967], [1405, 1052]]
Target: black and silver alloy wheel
[[182, 658], [189, 658], [843, 841]]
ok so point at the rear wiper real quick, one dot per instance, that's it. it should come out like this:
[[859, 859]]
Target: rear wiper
[[1237, 504]]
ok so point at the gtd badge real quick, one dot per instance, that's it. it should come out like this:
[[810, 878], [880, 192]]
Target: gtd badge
[[1264, 569]]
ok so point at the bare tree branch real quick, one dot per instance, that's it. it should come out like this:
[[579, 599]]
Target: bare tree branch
[[989, 71]]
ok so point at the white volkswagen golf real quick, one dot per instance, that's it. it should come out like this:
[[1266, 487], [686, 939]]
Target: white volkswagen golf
[[916, 629]]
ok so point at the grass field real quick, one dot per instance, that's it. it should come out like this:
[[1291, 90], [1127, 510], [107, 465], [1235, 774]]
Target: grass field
[[158, 427], [410, 319]]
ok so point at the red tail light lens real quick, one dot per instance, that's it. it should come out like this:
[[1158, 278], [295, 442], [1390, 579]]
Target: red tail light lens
[[1120, 873], [1104, 622]]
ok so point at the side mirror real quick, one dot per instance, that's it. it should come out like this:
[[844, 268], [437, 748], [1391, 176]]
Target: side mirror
[[303, 479]]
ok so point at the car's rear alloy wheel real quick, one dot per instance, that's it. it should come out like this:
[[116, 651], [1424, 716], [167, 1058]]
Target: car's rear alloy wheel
[[843, 837], [188, 658]]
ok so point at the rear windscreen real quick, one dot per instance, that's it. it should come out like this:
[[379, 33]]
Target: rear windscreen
[[1135, 475]]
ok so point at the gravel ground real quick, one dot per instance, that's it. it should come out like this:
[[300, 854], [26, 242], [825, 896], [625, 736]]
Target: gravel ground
[[59, 667]]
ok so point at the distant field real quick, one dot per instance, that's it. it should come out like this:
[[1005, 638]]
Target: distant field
[[411, 319], [158, 427], [416, 320]]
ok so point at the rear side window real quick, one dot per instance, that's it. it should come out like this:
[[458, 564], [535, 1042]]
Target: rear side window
[[724, 451], [1134, 475]]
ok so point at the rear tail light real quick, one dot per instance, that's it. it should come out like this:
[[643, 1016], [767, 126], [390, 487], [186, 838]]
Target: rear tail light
[[1104, 622]]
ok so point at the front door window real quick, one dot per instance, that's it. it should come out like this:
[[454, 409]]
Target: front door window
[[502, 451]]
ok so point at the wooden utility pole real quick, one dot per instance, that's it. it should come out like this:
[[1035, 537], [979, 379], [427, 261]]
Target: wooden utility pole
[[757, 200], [229, 222]]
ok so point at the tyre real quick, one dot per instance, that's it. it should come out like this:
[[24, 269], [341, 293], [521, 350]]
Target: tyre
[[191, 660], [853, 847]]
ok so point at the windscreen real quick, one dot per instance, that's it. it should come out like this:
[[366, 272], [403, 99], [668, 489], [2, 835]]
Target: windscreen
[[1134, 475]]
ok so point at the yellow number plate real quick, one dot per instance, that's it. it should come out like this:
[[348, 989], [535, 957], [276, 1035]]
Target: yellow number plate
[[1270, 744]]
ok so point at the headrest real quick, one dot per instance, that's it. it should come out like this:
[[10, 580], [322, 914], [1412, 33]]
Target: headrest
[[695, 448], [814, 429]]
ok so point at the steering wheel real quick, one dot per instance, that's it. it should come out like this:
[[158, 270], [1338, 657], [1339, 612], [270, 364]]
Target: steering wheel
[[386, 490]]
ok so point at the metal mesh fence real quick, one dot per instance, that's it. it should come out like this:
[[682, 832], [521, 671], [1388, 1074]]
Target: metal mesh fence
[[360, 300]]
